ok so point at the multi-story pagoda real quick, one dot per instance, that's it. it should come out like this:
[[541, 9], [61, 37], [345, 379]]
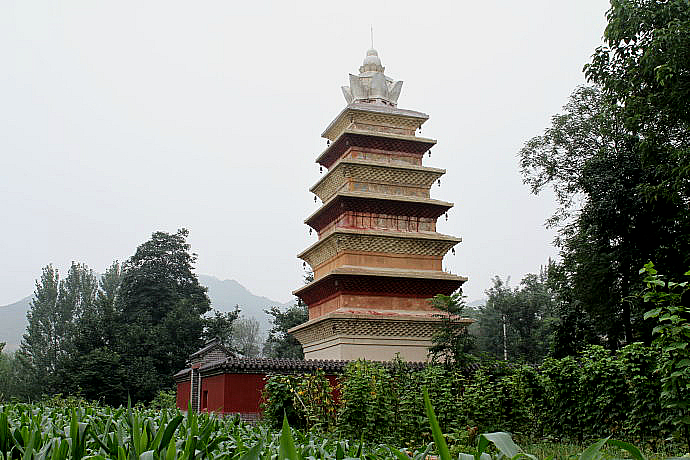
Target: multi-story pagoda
[[378, 258]]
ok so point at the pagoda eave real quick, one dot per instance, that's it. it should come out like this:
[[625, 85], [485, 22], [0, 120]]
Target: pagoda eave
[[374, 241], [352, 173], [392, 282], [376, 203], [383, 112], [412, 145]]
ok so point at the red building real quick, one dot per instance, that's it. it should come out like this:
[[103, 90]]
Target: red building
[[218, 381]]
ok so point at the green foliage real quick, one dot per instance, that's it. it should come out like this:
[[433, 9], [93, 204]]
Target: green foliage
[[451, 341], [10, 381], [56, 312], [528, 314], [278, 400], [165, 399], [161, 304], [672, 338], [314, 396], [67, 431], [499, 397], [607, 226], [126, 333], [385, 403], [306, 400], [280, 344], [367, 401], [644, 421], [618, 159], [597, 393], [643, 68], [219, 326]]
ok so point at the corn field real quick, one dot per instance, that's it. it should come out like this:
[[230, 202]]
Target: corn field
[[35, 432]]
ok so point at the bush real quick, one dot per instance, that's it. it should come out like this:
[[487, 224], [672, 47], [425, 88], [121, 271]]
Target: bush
[[596, 394], [164, 399]]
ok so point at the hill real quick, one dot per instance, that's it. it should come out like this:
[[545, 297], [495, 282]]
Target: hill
[[13, 323], [225, 294]]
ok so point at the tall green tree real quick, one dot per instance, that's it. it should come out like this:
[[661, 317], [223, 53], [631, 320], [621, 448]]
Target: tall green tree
[[95, 369], [618, 160], [161, 304], [644, 68], [55, 312], [518, 323], [280, 344], [219, 325], [608, 225], [38, 352], [451, 342]]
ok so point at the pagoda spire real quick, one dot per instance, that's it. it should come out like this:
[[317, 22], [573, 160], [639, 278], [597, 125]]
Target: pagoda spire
[[372, 86]]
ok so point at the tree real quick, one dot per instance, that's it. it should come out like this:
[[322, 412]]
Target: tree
[[55, 311], [219, 326], [607, 224], [39, 347], [619, 162], [519, 324], [245, 337], [10, 381], [280, 344], [94, 369], [451, 342], [494, 335], [161, 306], [644, 68]]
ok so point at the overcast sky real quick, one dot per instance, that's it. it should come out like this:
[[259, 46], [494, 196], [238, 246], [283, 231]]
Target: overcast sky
[[121, 118]]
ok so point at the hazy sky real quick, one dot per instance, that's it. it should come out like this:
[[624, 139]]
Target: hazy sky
[[121, 118]]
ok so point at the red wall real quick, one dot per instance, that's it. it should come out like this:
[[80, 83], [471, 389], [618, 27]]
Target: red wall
[[243, 392], [215, 398], [183, 395], [232, 393]]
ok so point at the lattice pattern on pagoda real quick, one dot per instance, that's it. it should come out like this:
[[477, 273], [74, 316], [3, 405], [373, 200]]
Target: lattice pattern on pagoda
[[354, 175], [378, 258]]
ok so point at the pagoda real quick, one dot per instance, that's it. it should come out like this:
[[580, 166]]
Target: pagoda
[[378, 259]]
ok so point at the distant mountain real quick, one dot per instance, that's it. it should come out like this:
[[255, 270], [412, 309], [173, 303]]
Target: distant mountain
[[13, 323], [224, 295]]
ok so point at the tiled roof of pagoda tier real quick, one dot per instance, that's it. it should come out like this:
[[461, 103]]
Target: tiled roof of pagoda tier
[[378, 141], [375, 203], [381, 113], [422, 284], [366, 172], [376, 241]]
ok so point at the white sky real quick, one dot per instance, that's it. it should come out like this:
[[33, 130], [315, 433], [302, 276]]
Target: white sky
[[121, 118]]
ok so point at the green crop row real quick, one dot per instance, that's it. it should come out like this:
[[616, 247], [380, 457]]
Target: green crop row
[[33, 432]]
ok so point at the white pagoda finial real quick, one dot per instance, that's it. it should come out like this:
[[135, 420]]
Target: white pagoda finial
[[372, 85]]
